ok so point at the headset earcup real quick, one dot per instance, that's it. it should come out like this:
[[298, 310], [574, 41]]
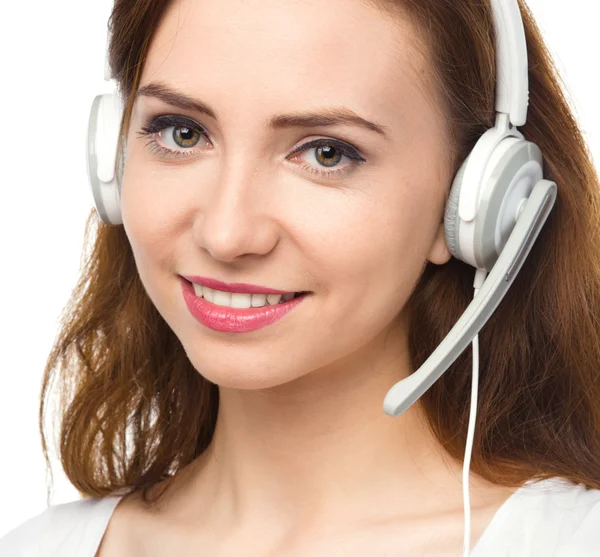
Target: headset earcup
[[103, 136], [516, 166], [451, 217], [513, 168]]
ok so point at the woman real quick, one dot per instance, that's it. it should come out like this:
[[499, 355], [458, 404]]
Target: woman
[[190, 439]]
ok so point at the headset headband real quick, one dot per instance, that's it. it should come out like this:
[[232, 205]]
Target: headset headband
[[512, 83]]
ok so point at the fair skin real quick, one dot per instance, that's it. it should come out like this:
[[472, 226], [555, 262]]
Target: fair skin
[[303, 461]]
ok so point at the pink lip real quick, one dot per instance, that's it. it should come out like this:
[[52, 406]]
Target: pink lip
[[235, 287], [230, 320]]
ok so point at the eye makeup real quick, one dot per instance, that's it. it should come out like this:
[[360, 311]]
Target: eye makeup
[[185, 134]]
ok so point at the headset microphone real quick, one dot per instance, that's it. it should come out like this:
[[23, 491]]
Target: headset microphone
[[404, 393], [497, 206]]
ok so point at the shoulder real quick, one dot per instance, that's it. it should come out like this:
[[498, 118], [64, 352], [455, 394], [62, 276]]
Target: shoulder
[[569, 514], [554, 517], [61, 530]]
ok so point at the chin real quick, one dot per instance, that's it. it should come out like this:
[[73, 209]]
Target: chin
[[247, 378]]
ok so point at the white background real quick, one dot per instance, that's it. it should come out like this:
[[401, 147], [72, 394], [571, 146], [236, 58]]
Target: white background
[[52, 61]]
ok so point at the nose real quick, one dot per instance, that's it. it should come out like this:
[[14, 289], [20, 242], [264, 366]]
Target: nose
[[233, 219]]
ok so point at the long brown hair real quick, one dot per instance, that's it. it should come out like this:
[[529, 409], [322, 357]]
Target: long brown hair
[[133, 410]]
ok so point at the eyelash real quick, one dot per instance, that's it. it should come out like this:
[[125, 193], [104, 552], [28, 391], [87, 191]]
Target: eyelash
[[164, 122]]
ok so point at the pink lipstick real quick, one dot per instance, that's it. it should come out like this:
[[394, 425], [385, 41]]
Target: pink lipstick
[[232, 320]]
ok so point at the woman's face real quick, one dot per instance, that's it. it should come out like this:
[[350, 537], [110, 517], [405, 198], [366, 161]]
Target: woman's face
[[232, 203]]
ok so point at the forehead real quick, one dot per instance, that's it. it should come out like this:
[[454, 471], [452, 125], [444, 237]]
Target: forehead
[[262, 55]]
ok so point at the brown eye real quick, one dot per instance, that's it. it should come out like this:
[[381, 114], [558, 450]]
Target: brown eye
[[174, 136], [328, 155], [185, 137]]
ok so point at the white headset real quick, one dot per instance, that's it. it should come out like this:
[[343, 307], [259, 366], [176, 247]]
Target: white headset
[[497, 205]]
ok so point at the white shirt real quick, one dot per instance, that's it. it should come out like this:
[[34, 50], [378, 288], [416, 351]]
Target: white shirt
[[552, 518]]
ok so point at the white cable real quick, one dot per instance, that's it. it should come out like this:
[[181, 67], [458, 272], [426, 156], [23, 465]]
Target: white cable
[[478, 281]]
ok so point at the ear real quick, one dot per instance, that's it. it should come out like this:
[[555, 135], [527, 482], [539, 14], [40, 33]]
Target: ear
[[439, 253]]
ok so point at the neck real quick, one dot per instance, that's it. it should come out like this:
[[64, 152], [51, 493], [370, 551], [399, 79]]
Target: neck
[[319, 450]]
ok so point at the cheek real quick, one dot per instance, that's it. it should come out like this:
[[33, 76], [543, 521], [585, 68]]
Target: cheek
[[379, 238], [145, 204], [152, 248]]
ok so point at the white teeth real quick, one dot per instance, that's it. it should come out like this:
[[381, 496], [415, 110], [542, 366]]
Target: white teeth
[[240, 301], [273, 299], [258, 300]]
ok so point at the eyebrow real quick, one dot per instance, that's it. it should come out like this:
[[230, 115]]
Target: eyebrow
[[325, 117]]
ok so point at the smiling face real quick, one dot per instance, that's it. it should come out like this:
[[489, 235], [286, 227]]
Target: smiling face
[[353, 221]]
